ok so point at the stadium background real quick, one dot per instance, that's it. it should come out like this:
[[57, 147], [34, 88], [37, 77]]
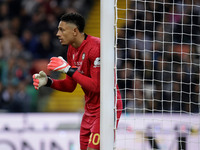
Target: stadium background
[[27, 41]]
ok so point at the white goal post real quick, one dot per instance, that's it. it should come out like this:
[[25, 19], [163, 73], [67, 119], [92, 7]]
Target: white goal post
[[107, 75]]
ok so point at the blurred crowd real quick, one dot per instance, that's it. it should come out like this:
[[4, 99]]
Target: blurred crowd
[[158, 52], [27, 41], [158, 57]]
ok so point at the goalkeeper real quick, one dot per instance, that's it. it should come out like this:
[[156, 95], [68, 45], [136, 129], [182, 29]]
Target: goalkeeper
[[83, 67]]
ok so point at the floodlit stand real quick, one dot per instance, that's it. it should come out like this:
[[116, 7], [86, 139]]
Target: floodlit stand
[[107, 75]]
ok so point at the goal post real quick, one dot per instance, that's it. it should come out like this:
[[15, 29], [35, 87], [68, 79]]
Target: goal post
[[107, 75]]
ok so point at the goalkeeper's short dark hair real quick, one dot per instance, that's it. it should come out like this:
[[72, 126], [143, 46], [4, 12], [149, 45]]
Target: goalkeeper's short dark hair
[[76, 19]]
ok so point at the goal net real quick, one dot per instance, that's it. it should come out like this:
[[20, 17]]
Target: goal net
[[157, 65]]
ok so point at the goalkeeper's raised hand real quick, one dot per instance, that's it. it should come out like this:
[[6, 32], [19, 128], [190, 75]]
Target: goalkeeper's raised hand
[[59, 64], [41, 79]]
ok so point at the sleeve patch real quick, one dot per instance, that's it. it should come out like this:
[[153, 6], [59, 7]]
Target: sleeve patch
[[97, 62]]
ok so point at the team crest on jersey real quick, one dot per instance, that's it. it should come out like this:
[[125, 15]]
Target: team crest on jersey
[[97, 62], [83, 56]]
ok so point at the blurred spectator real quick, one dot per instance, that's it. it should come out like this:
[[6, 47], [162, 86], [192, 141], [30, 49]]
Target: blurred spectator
[[4, 12], [174, 15], [52, 24], [7, 41], [135, 98], [38, 21], [45, 47], [8, 74], [163, 76], [15, 70], [16, 26], [194, 102], [187, 27], [161, 41], [29, 42], [125, 78], [23, 70], [8, 95], [186, 30], [29, 6], [142, 42], [22, 100], [20, 51]]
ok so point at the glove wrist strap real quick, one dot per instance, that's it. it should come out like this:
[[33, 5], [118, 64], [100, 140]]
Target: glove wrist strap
[[49, 82], [71, 71]]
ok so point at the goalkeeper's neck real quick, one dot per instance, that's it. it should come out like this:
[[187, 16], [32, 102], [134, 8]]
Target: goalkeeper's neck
[[78, 40]]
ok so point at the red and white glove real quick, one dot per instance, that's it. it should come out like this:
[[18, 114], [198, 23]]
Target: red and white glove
[[39, 79], [58, 64]]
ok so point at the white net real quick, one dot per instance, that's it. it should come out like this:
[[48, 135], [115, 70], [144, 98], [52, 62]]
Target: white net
[[157, 59]]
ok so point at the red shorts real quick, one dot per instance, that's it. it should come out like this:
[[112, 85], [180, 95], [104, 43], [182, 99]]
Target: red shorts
[[90, 132]]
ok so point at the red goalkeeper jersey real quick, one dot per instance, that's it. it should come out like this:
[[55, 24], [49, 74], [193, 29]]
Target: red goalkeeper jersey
[[87, 59]]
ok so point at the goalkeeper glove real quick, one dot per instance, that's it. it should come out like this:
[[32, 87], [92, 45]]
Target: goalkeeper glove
[[41, 79], [59, 64]]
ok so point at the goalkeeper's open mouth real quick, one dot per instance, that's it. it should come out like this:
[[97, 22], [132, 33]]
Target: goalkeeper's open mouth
[[60, 40]]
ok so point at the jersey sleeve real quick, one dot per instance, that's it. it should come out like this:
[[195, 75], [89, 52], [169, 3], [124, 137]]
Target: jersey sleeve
[[92, 82], [65, 85]]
